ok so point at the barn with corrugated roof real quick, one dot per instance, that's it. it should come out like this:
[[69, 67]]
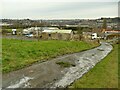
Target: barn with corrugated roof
[[57, 34]]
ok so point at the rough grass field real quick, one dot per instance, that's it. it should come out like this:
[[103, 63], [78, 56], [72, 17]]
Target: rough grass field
[[103, 75], [119, 66], [17, 54], [0, 55]]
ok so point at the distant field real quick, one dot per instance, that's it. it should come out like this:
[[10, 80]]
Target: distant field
[[10, 30], [17, 54], [103, 75]]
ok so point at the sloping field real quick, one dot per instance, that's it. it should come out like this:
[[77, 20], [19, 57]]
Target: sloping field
[[17, 54], [103, 75]]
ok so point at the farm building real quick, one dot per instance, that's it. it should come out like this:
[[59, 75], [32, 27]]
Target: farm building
[[35, 30], [57, 34], [47, 33]]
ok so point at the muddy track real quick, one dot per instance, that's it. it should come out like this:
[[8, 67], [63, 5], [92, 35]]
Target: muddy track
[[51, 75]]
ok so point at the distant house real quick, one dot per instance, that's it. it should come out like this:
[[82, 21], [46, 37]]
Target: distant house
[[84, 25], [71, 25], [50, 28], [110, 34], [112, 31]]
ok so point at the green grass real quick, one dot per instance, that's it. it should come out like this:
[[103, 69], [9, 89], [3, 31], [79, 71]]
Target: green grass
[[103, 75], [119, 66], [65, 64], [17, 54]]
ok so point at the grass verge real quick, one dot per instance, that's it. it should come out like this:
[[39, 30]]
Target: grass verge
[[103, 75], [17, 54]]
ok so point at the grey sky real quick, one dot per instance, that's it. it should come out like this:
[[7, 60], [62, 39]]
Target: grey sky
[[35, 9]]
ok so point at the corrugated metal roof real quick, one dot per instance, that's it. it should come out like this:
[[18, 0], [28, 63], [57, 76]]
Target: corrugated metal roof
[[57, 31], [43, 28], [50, 28]]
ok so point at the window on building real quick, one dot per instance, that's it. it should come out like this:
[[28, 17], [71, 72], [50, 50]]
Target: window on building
[[49, 35]]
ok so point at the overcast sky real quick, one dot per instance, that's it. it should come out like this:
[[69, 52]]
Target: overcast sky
[[59, 9]]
